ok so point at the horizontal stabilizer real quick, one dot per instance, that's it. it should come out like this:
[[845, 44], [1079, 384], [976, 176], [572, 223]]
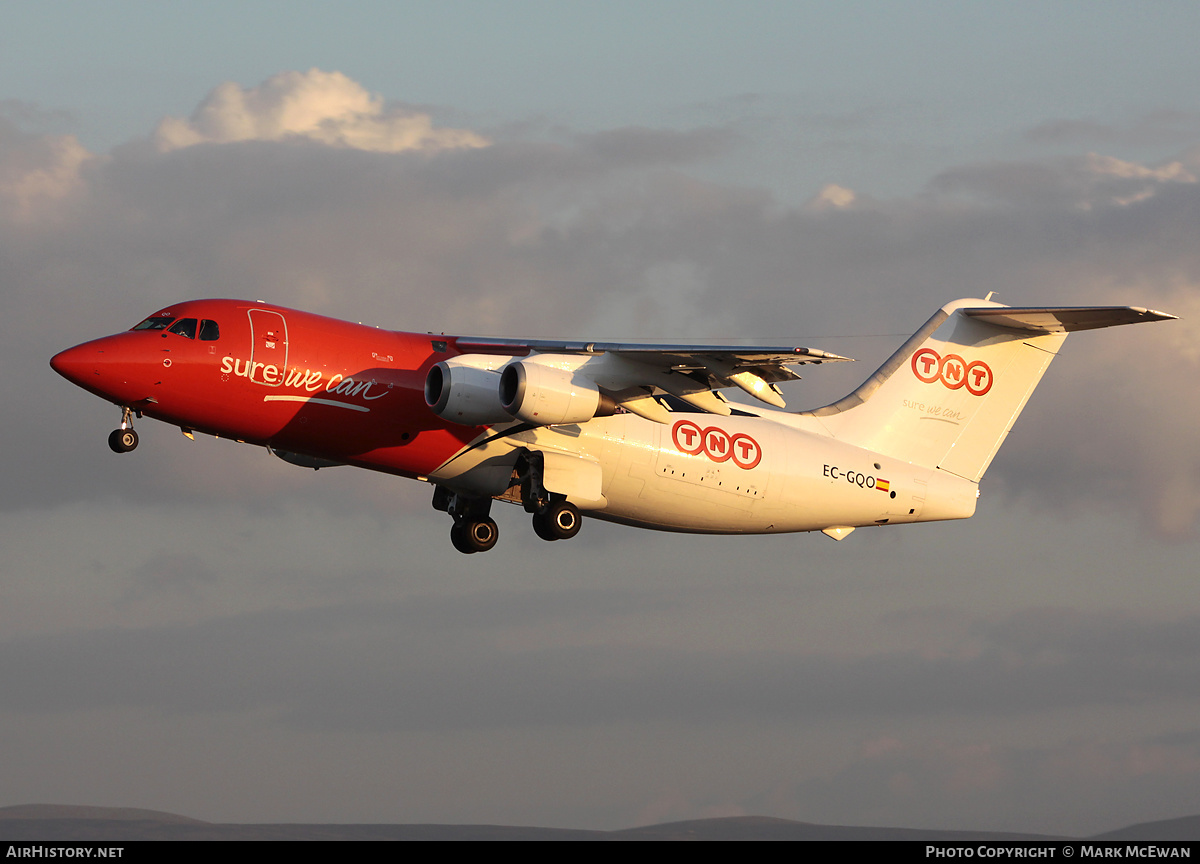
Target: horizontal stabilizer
[[1063, 319]]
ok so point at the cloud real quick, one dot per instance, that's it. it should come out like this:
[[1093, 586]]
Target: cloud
[[38, 173], [1080, 787], [635, 146], [1082, 182], [833, 196], [1163, 126], [30, 115], [324, 107], [461, 663], [937, 739]]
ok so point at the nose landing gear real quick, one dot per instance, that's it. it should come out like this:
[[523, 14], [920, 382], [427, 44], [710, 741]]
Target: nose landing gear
[[124, 439]]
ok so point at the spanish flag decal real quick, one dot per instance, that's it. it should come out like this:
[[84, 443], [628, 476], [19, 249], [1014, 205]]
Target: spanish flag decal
[[883, 485]]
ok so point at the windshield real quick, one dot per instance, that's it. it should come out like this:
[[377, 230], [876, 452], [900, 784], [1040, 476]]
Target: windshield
[[155, 322]]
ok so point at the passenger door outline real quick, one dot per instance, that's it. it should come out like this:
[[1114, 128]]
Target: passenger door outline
[[268, 346]]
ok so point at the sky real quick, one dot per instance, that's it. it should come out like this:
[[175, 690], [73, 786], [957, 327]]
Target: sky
[[200, 628]]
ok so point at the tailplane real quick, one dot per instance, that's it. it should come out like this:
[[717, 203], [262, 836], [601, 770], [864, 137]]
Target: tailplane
[[948, 398]]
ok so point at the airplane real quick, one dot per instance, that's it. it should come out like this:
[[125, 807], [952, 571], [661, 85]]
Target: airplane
[[635, 434]]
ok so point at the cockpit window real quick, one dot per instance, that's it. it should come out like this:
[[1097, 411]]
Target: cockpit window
[[155, 322], [184, 327], [209, 331]]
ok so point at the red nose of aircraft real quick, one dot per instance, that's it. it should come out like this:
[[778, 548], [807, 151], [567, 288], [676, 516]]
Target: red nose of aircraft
[[79, 364], [103, 366]]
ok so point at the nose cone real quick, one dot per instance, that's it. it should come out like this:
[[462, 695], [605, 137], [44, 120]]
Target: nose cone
[[78, 364], [125, 368], [103, 366]]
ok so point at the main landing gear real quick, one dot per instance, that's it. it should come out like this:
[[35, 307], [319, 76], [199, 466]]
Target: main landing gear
[[559, 521], [474, 535], [124, 439], [554, 517], [474, 530]]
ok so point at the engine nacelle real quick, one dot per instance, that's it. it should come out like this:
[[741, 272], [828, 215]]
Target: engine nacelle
[[548, 396], [466, 390]]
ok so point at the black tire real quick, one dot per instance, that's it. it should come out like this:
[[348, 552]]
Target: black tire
[[123, 440], [541, 527], [459, 538], [561, 521]]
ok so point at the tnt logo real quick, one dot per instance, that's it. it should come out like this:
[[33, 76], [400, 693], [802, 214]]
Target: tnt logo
[[717, 444], [953, 371]]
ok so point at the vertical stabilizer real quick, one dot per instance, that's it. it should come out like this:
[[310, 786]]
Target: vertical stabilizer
[[948, 398]]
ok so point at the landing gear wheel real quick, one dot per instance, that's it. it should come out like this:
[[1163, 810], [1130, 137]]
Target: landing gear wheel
[[459, 538], [482, 534], [474, 535], [560, 521], [542, 528], [122, 440]]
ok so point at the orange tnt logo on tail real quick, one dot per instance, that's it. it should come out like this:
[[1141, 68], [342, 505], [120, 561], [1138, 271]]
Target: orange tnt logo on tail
[[953, 371]]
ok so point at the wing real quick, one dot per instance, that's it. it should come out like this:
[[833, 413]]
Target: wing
[[633, 374]]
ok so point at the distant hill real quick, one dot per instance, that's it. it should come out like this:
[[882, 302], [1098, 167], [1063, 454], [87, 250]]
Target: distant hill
[[766, 828], [59, 822], [1187, 828], [108, 814]]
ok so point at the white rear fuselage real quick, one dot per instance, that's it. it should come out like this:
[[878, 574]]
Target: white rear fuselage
[[731, 475]]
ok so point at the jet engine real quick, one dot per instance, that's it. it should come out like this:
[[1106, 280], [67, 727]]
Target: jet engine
[[465, 389], [545, 395]]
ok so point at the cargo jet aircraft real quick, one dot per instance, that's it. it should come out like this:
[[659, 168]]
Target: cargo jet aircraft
[[636, 434]]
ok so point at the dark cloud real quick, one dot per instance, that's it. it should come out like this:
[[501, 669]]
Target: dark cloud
[[631, 147], [1164, 126], [1085, 787], [452, 663], [33, 117], [168, 570], [1084, 182]]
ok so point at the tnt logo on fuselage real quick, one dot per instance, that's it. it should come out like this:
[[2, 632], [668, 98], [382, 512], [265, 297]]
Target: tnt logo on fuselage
[[953, 371], [717, 444]]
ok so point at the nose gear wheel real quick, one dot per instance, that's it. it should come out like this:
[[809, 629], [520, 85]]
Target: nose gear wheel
[[124, 439]]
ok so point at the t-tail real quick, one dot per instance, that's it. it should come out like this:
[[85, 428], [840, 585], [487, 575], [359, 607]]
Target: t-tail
[[948, 398]]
